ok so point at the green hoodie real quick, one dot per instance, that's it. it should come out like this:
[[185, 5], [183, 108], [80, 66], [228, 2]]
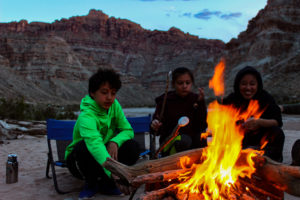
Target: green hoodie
[[97, 126]]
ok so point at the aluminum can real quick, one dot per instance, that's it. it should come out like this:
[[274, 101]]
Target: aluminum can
[[12, 169]]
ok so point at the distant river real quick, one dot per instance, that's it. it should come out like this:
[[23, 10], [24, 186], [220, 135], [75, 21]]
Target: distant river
[[137, 112]]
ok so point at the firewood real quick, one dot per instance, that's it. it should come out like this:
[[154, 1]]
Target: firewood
[[252, 186], [189, 196], [151, 166], [159, 194], [283, 177], [157, 177], [247, 197]]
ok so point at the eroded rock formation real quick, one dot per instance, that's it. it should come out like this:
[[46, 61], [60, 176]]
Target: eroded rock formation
[[271, 43], [52, 62]]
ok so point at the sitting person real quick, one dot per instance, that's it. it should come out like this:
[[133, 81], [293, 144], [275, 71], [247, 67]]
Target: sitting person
[[179, 103], [248, 85], [296, 153], [101, 131]]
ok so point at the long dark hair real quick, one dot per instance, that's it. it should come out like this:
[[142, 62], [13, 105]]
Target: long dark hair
[[248, 70]]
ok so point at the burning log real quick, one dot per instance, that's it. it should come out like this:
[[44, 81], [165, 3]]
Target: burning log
[[157, 177], [159, 194], [151, 166], [283, 177], [268, 191], [170, 193]]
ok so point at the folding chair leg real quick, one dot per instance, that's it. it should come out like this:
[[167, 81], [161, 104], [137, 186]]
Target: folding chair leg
[[51, 161], [55, 180], [47, 168]]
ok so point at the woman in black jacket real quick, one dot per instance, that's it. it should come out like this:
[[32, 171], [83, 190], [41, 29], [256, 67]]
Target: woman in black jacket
[[248, 86]]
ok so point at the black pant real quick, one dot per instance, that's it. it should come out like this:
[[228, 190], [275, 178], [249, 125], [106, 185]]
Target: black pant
[[275, 138], [82, 164]]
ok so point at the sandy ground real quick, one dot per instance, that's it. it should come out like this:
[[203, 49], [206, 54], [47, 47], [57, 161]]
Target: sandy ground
[[32, 157]]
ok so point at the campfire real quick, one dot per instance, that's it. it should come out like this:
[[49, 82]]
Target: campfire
[[217, 174], [222, 170]]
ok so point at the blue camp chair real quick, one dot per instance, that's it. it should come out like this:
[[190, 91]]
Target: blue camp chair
[[62, 132]]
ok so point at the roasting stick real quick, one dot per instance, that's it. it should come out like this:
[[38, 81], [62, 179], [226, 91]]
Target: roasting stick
[[183, 121], [160, 117]]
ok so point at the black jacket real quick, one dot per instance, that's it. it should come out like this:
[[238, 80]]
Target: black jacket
[[266, 101], [177, 107]]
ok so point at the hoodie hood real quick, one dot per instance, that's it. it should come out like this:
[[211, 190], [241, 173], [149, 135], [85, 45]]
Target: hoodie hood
[[87, 103], [248, 70]]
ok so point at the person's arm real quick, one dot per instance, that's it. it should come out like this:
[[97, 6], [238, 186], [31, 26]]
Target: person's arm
[[125, 131], [254, 124], [267, 122], [93, 139], [156, 123], [272, 112]]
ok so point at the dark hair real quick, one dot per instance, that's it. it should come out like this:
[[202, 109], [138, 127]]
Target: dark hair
[[247, 70], [104, 76], [180, 71]]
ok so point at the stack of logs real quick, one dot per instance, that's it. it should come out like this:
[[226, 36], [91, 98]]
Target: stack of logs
[[273, 177]]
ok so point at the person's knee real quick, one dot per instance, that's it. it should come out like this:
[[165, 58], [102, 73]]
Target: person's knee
[[296, 153], [184, 144], [80, 148], [129, 152], [276, 134]]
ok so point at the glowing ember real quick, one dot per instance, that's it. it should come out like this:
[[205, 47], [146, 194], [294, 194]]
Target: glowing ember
[[216, 176]]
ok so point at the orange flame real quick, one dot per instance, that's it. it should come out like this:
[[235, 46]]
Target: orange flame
[[220, 169], [217, 82]]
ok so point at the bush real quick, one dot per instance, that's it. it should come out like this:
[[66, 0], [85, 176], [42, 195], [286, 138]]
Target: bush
[[19, 110]]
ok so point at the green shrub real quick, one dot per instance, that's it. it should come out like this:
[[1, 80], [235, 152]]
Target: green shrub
[[19, 110]]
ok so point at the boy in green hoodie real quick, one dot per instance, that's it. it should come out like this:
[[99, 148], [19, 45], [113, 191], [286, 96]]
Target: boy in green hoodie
[[101, 131]]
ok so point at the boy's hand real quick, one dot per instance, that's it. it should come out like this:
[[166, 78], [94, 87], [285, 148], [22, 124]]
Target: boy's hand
[[112, 149]]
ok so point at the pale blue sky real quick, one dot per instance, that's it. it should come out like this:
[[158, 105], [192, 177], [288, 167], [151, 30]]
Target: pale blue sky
[[211, 19]]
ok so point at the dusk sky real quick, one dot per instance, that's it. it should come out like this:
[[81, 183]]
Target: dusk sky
[[211, 19]]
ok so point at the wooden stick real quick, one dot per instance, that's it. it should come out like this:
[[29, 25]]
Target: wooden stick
[[157, 177], [251, 185], [284, 177], [151, 166], [159, 194], [183, 121], [160, 118]]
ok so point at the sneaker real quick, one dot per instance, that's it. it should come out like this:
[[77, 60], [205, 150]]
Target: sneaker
[[88, 192]]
